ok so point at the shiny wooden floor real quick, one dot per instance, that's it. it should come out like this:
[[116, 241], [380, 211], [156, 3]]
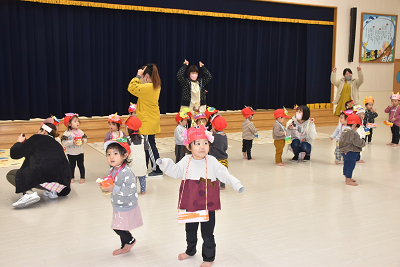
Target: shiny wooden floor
[[299, 215]]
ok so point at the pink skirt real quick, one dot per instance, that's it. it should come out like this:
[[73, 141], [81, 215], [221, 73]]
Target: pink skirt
[[127, 220]]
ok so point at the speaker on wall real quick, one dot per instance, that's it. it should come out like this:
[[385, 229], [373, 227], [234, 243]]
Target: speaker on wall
[[352, 39]]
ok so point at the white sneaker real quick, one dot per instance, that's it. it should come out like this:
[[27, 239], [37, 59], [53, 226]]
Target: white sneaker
[[26, 200], [50, 194]]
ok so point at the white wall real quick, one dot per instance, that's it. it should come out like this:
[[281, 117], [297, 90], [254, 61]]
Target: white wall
[[378, 76]]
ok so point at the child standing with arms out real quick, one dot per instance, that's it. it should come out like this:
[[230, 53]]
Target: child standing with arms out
[[370, 115], [124, 196], [249, 132], [394, 117], [199, 189], [279, 134], [114, 122], [337, 133], [220, 145], [73, 140], [132, 110], [350, 145], [182, 120], [137, 158]]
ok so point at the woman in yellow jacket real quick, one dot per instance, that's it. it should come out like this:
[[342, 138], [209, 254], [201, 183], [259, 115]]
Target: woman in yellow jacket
[[146, 86]]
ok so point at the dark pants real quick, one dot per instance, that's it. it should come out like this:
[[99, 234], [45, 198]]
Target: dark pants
[[349, 163], [179, 152], [247, 145], [298, 147], [207, 233], [126, 237], [152, 153], [369, 137], [73, 160], [395, 134]]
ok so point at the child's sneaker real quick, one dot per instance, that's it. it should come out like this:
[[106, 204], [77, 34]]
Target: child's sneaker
[[26, 200], [50, 194]]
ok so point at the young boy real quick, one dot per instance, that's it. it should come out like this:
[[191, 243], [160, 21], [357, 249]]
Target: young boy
[[337, 133], [248, 134], [279, 134], [220, 144], [369, 117], [181, 119], [350, 145]]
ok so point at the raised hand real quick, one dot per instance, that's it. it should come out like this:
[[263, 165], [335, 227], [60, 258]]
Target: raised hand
[[201, 64], [334, 69], [140, 71], [186, 62], [312, 120], [359, 68]]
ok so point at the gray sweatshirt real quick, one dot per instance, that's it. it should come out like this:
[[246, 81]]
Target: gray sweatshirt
[[124, 196]]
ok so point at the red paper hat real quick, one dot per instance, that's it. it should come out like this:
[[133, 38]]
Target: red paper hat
[[218, 123], [196, 133], [209, 111], [121, 141], [181, 116], [132, 107], [68, 117], [199, 115], [133, 123], [247, 112], [56, 120], [353, 119], [115, 118], [280, 113]]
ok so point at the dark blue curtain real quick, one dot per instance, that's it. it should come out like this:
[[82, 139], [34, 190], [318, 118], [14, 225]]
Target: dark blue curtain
[[57, 59]]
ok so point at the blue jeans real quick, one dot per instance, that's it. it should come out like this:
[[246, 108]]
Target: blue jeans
[[349, 160], [298, 147]]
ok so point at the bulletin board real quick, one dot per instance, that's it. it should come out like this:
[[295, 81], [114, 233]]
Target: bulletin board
[[378, 38]]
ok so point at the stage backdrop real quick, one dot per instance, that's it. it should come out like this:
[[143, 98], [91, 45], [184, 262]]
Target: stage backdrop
[[58, 58]]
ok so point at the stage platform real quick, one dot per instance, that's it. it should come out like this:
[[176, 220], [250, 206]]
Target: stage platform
[[97, 127]]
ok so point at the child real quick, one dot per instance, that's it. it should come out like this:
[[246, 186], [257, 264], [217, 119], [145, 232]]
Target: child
[[349, 105], [370, 115], [249, 131], [193, 88], [124, 197], [132, 110], [137, 158], [114, 121], [199, 187], [200, 119], [350, 145], [337, 133], [181, 120], [279, 134], [394, 117], [210, 113], [73, 140], [220, 145]]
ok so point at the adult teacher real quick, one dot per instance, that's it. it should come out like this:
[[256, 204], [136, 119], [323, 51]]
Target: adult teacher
[[45, 167], [146, 86], [347, 88]]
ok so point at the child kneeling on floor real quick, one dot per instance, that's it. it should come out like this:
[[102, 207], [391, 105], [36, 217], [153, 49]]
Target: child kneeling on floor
[[350, 145]]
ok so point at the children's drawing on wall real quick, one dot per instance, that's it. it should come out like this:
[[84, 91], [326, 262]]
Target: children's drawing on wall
[[378, 38]]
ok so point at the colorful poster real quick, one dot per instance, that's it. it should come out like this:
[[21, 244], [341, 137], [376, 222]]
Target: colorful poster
[[378, 38]]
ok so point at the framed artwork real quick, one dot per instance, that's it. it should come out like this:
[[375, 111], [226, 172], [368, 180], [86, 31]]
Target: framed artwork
[[378, 38]]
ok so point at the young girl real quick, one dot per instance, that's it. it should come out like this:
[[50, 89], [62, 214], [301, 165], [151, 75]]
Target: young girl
[[132, 109], [279, 134], [124, 196], [199, 188], [138, 146], [73, 140], [370, 115], [394, 117], [337, 133], [193, 88], [350, 145], [249, 131], [114, 122], [200, 119], [210, 113], [181, 120], [220, 145]]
